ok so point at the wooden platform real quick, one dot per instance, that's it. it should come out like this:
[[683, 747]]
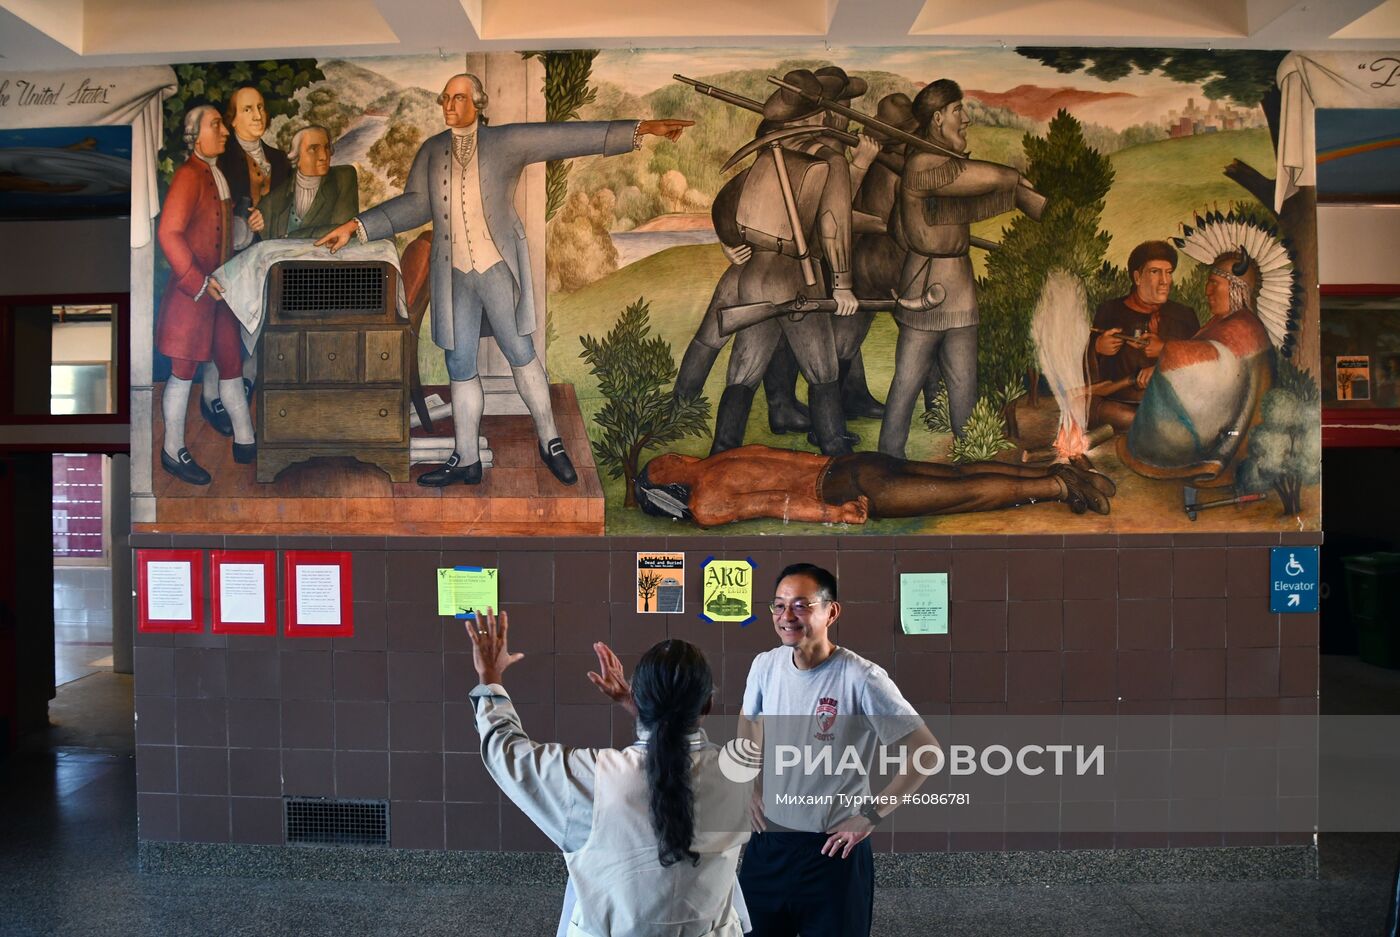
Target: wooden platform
[[518, 496]]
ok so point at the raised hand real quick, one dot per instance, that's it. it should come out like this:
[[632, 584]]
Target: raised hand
[[490, 655], [610, 679]]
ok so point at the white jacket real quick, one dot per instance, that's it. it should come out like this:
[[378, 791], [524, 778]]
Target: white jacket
[[593, 804]]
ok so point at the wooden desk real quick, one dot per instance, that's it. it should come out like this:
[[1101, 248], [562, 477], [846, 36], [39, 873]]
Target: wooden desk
[[333, 381]]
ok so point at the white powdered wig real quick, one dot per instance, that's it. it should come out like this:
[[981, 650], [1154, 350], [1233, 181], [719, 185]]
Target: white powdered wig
[[1060, 330]]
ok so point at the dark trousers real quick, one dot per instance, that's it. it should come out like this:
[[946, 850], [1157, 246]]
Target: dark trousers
[[792, 889]]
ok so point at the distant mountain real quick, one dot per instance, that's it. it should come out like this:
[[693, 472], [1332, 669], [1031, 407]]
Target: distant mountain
[[1040, 103], [354, 85]]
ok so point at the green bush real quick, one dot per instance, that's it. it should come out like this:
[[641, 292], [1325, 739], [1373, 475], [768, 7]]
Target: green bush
[[984, 435], [1075, 179], [635, 373]]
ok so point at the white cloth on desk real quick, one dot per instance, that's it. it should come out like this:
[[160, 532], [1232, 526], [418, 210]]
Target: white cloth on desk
[[243, 278]]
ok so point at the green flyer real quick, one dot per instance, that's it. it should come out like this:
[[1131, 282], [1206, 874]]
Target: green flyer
[[463, 589], [923, 603]]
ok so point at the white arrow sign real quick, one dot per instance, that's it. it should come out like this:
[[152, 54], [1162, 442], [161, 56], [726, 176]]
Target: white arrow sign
[[1294, 599]]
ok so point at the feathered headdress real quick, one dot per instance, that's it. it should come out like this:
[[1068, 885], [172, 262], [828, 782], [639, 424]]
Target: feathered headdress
[[1279, 303]]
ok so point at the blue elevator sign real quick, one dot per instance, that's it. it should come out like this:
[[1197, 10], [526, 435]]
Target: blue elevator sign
[[1293, 579]]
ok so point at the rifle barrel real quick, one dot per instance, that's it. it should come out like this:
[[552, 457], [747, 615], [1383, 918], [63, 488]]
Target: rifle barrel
[[719, 94], [749, 104]]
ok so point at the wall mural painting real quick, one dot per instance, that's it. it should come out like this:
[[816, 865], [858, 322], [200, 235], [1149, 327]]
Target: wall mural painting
[[1034, 290]]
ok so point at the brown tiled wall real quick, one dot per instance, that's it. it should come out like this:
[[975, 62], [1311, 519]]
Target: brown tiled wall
[[1038, 625]]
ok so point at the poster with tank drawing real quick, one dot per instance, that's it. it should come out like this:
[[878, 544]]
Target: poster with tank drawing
[[897, 291]]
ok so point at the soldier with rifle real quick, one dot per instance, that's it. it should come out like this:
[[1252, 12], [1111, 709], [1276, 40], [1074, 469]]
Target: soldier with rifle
[[785, 413], [941, 193], [792, 209]]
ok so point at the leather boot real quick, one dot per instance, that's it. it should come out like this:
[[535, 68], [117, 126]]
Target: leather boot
[[785, 414], [856, 399], [828, 422], [732, 418], [696, 363]]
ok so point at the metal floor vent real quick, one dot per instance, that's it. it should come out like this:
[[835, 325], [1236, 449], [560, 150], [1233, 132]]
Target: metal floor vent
[[318, 821], [321, 288]]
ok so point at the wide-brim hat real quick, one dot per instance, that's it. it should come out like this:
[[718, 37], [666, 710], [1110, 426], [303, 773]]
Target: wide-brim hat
[[828, 81], [840, 86], [897, 110]]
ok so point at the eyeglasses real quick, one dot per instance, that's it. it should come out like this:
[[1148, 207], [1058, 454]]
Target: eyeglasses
[[798, 607]]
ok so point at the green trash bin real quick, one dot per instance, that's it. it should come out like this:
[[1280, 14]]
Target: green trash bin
[[1373, 592]]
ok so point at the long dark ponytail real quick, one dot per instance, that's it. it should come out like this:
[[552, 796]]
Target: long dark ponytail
[[671, 687]]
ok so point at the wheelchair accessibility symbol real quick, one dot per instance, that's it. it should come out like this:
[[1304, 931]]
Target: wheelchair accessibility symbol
[[1293, 578]]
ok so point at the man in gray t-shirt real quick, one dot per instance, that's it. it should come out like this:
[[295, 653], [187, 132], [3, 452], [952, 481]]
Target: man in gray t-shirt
[[821, 712]]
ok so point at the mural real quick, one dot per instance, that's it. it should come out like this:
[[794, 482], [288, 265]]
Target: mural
[[943, 291], [909, 291]]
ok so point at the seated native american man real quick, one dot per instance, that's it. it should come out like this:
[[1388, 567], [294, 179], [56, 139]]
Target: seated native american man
[[1203, 394], [757, 481]]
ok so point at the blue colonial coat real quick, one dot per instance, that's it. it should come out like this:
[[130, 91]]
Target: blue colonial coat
[[502, 152]]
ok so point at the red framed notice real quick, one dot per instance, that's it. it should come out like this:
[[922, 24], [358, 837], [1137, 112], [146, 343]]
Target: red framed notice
[[243, 589], [170, 590], [318, 594]]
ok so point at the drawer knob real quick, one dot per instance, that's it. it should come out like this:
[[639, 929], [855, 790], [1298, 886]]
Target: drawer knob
[[383, 412], [282, 412], [383, 356], [331, 356], [281, 357]]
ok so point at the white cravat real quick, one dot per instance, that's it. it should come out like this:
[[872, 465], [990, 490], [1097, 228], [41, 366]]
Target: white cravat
[[254, 150], [220, 182], [306, 189], [472, 247]]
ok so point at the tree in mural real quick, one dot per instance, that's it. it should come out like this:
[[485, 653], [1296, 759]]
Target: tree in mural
[[1075, 178], [1285, 449], [635, 372], [566, 92], [393, 153], [213, 82]]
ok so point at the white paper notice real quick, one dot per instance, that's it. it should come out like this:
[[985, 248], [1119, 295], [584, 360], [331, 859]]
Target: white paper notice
[[168, 592], [318, 595], [242, 593]]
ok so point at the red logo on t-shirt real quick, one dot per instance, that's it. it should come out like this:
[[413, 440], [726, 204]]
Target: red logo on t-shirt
[[826, 718]]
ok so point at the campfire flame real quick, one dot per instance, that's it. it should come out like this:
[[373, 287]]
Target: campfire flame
[[1070, 441]]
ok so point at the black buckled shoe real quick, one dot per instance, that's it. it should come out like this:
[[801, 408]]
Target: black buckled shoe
[[245, 455], [554, 457], [216, 416], [452, 471], [184, 467]]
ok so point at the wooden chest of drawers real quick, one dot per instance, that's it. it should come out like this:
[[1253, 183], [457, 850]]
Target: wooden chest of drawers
[[334, 381]]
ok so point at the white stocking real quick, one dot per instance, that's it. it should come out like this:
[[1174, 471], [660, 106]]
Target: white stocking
[[209, 378], [468, 402], [236, 403], [174, 400], [533, 385]]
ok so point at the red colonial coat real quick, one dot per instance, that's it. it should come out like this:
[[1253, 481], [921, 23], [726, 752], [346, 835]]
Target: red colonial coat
[[194, 234]]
